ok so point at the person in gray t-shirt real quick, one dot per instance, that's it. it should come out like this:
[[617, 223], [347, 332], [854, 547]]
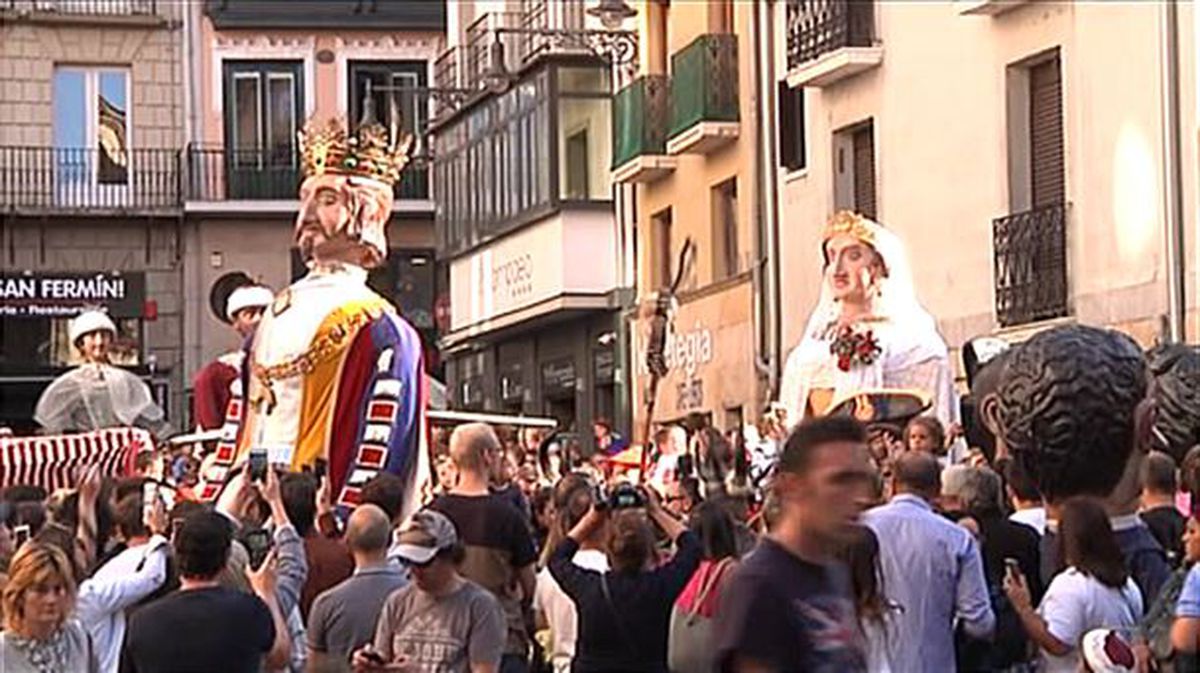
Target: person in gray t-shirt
[[441, 623], [343, 618]]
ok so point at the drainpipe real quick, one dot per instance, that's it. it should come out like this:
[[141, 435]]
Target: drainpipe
[[1172, 175], [766, 276]]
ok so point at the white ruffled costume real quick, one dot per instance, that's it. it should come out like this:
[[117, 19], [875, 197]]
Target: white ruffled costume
[[913, 354]]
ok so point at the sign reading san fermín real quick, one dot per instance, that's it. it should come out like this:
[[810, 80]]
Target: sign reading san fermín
[[54, 295]]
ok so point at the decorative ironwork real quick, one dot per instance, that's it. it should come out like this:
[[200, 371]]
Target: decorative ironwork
[[478, 40], [704, 86], [544, 28], [87, 7], [447, 73], [224, 174], [1031, 265], [618, 47], [817, 27], [641, 114], [86, 179]]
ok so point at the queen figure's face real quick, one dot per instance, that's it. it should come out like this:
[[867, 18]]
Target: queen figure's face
[[851, 267]]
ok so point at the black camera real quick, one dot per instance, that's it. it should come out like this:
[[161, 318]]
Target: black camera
[[622, 496]]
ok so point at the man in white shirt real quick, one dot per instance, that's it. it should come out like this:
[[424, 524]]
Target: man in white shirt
[[554, 608], [124, 580]]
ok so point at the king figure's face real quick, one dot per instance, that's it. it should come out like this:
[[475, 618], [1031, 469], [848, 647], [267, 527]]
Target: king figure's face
[[342, 219]]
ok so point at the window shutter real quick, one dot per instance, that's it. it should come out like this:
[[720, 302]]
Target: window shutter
[[791, 126], [864, 170], [1046, 133]]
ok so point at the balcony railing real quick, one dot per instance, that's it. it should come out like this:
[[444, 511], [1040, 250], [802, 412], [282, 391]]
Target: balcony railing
[[1031, 265], [704, 85], [478, 41], [447, 74], [641, 112], [85, 179], [87, 7], [220, 174], [818, 27], [549, 15]]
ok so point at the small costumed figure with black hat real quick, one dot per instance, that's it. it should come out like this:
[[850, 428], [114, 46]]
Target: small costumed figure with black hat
[[97, 394], [242, 308]]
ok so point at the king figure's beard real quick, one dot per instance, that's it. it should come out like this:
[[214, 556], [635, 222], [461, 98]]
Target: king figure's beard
[[318, 246]]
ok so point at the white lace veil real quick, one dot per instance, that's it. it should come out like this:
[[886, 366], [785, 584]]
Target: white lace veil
[[95, 396]]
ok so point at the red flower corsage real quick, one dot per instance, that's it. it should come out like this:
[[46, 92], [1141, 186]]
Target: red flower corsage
[[853, 348]]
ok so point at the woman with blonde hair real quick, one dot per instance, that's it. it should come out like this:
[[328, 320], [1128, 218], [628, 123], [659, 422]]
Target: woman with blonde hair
[[37, 600]]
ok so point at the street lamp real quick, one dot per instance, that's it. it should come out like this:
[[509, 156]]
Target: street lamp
[[612, 13], [496, 78], [614, 46]]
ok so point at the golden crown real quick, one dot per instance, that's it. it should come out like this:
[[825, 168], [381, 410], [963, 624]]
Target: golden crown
[[851, 223], [369, 153]]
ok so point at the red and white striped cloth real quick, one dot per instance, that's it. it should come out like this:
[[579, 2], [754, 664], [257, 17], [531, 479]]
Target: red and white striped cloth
[[55, 461]]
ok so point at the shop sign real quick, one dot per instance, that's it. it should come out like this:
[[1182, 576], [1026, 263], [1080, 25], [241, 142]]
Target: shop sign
[[512, 279], [604, 364], [55, 295], [564, 255], [687, 351], [558, 376]]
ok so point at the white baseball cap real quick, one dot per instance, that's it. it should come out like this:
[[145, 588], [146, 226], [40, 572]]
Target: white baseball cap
[[424, 535], [247, 296], [88, 322]]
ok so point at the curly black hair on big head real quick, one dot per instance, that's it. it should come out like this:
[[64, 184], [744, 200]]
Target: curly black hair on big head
[[1176, 370], [1068, 401]]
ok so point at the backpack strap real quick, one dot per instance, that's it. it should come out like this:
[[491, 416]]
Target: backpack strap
[[710, 582]]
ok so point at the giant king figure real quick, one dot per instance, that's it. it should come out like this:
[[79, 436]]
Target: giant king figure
[[333, 371]]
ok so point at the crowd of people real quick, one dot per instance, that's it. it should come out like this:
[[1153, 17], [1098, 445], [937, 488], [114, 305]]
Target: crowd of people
[[1064, 544]]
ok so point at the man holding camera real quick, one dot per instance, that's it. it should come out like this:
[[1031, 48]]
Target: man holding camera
[[623, 615]]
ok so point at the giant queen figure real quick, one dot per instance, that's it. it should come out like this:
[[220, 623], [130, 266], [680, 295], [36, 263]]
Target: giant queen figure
[[333, 371], [868, 331]]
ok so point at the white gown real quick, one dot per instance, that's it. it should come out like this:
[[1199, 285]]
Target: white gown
[[95, 396]]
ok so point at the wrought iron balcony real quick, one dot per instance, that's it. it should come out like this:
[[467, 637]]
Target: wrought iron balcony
[[86, 180], [220, 174], [447, 75], [828, 40], [704, 94], [85, 8], [477, 46], [1030, 251], [641, 114]]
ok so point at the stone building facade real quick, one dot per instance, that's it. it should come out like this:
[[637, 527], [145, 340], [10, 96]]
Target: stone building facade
[[91, 124]]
